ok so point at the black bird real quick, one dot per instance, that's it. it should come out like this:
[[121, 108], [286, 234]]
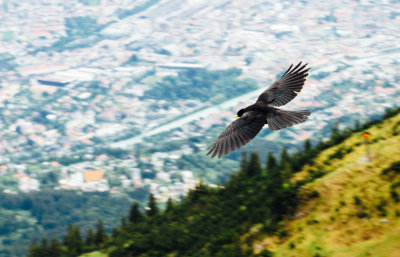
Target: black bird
[[254, 117]]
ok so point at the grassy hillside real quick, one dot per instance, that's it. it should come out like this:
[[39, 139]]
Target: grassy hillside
[[327, 200], [354, 208]]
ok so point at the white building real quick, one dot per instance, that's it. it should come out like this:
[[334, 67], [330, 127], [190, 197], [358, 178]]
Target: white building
[[27, 184]]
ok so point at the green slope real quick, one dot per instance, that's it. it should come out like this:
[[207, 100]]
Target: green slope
[[354, 212], [337, 203], [95, 254]]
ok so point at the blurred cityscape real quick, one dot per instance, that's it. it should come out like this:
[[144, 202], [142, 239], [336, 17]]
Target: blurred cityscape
[[74, 77]]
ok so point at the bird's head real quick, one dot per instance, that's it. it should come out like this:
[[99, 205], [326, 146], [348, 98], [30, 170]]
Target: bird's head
[[239, 113]]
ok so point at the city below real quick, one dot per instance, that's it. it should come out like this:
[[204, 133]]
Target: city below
[[85, 97]]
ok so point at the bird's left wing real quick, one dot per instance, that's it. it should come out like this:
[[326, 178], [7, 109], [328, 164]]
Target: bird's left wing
[[286, 88], [237, 134]]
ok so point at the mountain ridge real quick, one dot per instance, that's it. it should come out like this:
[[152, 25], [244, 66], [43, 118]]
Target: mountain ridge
[[353, 209], [277, 210]]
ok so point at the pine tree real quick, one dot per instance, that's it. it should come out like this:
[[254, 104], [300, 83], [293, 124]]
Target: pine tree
[[254, 166], [55, 249], [271, 162], [35, 250], [135, 215], [101, 236], [357, 125], [285, 165], [320, 145], [335, 134], [244, 163], [307, 146], [114, 233], [285, 158], [73, 241], [44, 244], [169, 206], [123, 222], [90, 238], [273, 173], [153, 209]]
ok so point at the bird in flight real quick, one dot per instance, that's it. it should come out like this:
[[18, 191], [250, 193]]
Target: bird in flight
[[251, 119]]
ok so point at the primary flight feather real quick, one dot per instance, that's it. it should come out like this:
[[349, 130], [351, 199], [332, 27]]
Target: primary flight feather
[[252, 118]]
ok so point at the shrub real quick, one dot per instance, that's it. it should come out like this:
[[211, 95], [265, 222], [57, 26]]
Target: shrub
[[381, 208], [314, 194], [390, 112], [393, 192], [395, 129], [362, 214], [312, 221], [283, 233], [315, 174], [395, 167], [340, 152], [265, 253], [357, 200], [395, 195]]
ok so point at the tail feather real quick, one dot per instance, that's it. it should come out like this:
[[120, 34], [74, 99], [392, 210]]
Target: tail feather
[[282, 119]]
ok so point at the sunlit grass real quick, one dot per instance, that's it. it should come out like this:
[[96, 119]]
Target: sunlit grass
[[354, 214], [94, 254]]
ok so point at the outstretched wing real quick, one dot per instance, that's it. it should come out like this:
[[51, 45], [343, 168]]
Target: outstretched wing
[[237, 134], [286, 88]]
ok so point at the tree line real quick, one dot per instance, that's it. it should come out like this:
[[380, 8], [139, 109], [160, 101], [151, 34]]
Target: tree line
[[209, 221]]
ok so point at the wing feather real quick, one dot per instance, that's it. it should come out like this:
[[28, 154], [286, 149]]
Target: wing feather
[[238, 133], [282, 119], [286, 88]]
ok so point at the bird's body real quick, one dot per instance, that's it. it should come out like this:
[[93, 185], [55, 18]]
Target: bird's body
[[260, 108], [254, 117]]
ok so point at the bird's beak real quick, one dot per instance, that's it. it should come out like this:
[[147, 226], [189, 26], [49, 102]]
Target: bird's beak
[[237, 116]]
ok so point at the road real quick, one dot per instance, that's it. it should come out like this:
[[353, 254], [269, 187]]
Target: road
[[189, 118]]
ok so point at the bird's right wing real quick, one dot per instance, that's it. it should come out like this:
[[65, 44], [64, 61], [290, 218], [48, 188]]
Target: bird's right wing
[[286, 88], [237, 134]]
